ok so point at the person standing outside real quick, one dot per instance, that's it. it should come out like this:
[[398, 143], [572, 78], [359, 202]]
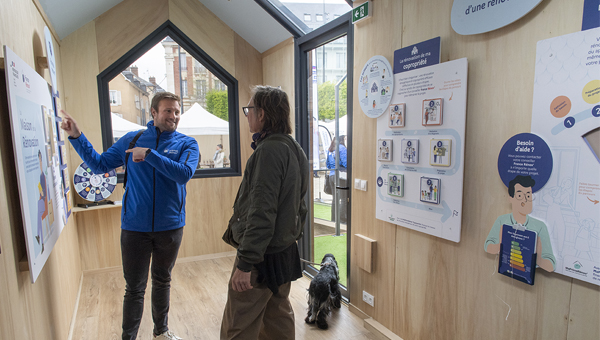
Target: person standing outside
[[153, 213], [218, 157], [268, 218], [343, 194]]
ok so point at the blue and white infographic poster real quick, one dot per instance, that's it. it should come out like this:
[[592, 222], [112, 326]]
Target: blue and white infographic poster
[[432, 192], [566, 114], [34, 133]]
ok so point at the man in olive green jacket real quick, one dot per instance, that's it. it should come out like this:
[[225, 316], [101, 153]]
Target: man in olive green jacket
[[269, 214]]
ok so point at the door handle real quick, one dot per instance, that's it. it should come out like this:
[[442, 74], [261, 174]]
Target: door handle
[[343, 188]]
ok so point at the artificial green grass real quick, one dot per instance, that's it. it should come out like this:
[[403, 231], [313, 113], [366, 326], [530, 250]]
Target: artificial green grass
[[322, 211], [335, 245]]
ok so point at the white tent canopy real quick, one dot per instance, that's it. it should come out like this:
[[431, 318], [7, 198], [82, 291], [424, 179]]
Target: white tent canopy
[[197, 121], [343, 126], [121, 126]]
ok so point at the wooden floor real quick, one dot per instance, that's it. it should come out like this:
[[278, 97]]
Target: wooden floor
[[198, 296]]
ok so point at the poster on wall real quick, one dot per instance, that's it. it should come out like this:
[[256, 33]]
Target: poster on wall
[[521, 240], [420, 181], [566, 114], [59, 171], [35, 145], [376, 86]]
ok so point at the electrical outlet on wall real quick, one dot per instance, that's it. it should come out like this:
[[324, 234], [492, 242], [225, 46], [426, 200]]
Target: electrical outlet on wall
[[369, 299]]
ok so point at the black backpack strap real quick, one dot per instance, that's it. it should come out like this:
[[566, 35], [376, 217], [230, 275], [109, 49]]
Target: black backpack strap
[[131, 145]]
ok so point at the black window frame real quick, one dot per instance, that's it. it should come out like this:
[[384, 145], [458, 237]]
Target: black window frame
[[171, 30]]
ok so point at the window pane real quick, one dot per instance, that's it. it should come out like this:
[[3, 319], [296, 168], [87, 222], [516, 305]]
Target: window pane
[[204, 99], [302, 11]]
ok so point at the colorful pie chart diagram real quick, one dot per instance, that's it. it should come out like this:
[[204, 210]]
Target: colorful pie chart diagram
[[94, 187]]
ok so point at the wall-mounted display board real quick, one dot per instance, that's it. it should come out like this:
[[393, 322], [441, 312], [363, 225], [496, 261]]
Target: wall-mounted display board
[[566, 114], [37, 159], [420, 185], [375, 87], [474, 17]]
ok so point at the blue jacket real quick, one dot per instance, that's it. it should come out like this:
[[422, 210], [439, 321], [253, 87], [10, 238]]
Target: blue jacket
[[343, 160], [154, 199]]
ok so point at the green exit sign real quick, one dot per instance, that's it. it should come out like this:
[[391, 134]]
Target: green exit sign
[[361, 12]]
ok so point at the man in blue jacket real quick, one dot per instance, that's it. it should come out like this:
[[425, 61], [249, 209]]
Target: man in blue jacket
[[161, 162]]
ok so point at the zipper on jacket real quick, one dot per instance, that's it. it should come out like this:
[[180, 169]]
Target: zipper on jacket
[[125, 202], [154, 183]]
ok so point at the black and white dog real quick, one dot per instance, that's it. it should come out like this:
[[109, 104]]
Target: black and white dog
[[324, 292]]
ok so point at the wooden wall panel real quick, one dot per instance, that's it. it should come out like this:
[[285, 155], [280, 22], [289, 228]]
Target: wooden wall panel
[[205, 29], [278, 70], [125, 25], [446, 290], [248, 63], [585, 309], [42, 310], [375, 36]]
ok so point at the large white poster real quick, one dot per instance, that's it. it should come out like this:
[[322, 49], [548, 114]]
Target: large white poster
[[37, 159], [420, 150], [566, 114]]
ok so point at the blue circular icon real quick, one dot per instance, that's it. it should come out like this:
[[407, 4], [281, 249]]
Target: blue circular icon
[[396, 108], [409, 143], [439, 144], [384, 143], [525, 154], [596, 111], [569, 122], [394, 178], [428, 182], [431, 103], [379, 181]]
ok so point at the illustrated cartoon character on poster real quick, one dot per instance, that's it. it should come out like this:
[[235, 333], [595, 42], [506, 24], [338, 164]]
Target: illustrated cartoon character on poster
[[42, 204], [520, 192]]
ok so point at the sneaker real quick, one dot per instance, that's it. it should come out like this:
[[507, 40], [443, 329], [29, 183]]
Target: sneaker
[[168, 335]]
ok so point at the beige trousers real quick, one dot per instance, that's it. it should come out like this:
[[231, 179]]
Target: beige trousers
[[258, 313]]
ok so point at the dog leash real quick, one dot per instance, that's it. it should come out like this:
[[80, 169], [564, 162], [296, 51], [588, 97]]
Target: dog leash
[[313, 263]]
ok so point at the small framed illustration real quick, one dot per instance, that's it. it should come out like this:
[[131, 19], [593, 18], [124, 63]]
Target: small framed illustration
[[440, 152], [396, 185], [430, 190], [397, 115], [384, 150], [410, 151], [432, 112], [47, 126]]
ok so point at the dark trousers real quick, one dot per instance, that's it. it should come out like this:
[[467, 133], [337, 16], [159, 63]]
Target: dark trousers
[[136, 250]]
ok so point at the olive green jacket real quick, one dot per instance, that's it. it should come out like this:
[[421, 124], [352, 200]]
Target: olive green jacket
[[270, 208]]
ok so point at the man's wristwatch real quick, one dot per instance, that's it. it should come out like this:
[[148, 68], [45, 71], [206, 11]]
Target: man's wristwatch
[[148, 152]]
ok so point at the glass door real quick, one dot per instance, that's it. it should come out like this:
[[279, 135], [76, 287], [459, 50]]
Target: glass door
[[327, 91]]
